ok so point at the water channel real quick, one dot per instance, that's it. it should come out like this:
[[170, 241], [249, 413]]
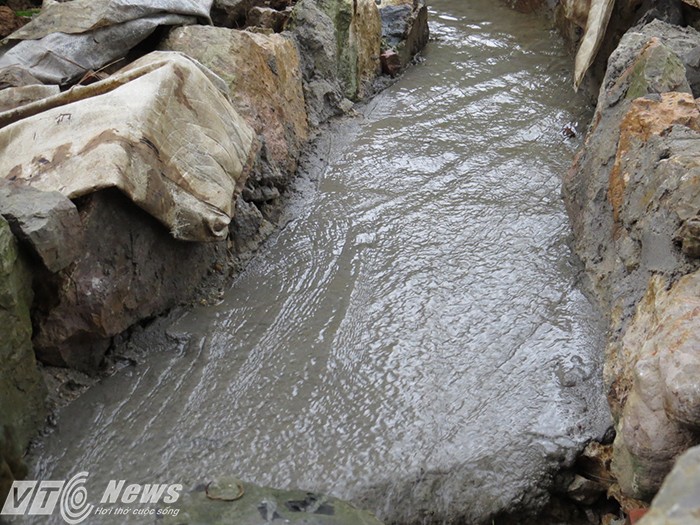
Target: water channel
[[414, 339]]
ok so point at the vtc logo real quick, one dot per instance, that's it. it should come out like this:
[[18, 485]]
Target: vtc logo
[[39, 498]]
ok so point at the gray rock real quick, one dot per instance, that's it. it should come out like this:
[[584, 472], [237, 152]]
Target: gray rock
[[678, 501], [633, 197], [47, 222], [249, 229], [395, 23], [620, 259], [315, 34], [116, 282], [405, 29], [339, 41], [22, 389]]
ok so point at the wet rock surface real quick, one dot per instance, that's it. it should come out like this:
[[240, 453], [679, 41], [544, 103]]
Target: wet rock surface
[[339, 43], [22, 390], [404, 32], [115, 282], [632, 148], [655, 369], [633, 198]]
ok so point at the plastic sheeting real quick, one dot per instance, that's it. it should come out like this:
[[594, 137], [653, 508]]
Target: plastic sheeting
[[596, 25], [159, 130], [68, 39]]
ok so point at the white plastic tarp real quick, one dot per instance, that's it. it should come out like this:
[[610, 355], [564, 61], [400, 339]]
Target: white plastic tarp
[[159, 130], [68, 39]]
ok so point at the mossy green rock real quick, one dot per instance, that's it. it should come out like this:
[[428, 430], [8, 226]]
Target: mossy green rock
[[357, 27], [22, 390], [258, 505], [658, 70]]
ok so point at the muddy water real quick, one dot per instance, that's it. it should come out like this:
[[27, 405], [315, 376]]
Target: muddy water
[[413, 338]]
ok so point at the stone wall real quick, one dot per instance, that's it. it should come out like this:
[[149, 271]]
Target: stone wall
[[633, 196]]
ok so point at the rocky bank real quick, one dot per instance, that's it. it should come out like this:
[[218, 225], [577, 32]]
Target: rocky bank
[[142, 173], [633, 196]]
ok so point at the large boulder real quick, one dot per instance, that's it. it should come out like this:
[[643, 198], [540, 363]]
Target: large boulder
[[340, 43], [404, 28], [633, 196], [654, 374], [315, 34], [628, 152], [130, 269], [263, 74], [22, 389]]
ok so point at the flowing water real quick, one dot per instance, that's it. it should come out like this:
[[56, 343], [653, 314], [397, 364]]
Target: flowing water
[[413, 338]]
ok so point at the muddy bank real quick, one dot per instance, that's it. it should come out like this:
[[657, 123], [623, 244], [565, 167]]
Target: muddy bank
[[632, 196]]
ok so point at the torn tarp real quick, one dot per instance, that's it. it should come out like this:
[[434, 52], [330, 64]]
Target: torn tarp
[[68, 39], [159, 130]]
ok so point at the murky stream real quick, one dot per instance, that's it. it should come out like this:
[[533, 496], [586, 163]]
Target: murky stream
[[414, 338]]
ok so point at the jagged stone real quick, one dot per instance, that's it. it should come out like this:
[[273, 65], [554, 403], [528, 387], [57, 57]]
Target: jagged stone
[[267, 18], [340, 44], [677, 502], [264, 77], [658, 360], [47, 222], [116, 282], [633, 196], [404, 28]]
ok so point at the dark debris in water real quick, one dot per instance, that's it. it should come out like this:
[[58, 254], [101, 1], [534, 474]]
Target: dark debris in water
[[312, 503]]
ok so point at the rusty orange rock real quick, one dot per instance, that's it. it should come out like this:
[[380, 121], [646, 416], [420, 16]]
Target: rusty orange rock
[[648, 116]]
